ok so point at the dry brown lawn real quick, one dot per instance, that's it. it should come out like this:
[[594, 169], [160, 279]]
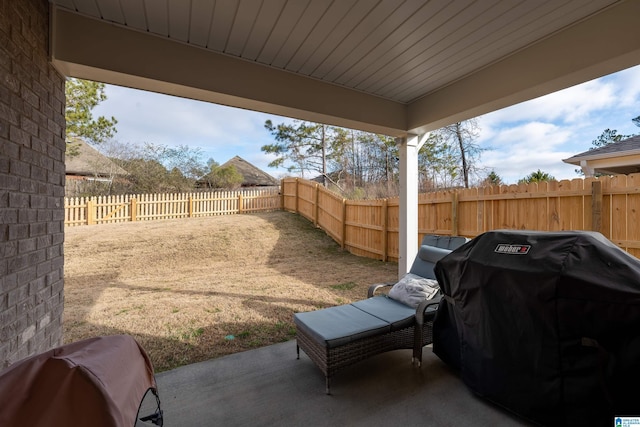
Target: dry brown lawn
[[194, 289]]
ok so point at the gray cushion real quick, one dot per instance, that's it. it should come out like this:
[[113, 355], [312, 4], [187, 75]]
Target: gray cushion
[[398, 315], [336, 326], [432, 254], [446, 242], [426, 260]]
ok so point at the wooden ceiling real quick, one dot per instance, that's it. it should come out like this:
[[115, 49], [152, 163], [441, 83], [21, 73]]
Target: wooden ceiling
[[389, 66]]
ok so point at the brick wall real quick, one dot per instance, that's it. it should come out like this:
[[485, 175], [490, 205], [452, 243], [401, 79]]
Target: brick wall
[[31, 184]]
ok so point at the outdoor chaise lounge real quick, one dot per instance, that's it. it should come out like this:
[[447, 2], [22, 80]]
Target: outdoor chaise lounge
[[340, 336]]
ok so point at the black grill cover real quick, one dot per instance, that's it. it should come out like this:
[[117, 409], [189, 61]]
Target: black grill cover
[[545, 324]]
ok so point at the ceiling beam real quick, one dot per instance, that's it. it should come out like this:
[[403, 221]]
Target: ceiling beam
[[601, 44], [96, 50]]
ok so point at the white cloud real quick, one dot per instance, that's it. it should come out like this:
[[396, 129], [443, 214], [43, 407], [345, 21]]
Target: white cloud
[[627, 83], [538, 134], [220, 132], [517, 151], [577, 104], [568, 106], [147, 116]]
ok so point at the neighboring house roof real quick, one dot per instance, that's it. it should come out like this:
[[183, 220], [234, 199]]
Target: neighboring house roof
[[334, 177], [89, 162], [622, 157], [252, 175]]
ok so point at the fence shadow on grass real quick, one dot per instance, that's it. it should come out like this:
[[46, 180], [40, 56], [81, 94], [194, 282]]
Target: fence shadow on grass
[[169, 342], [200, 342]]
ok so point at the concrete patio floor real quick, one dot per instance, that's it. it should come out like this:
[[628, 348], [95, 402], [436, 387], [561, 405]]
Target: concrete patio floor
[[270, 387]]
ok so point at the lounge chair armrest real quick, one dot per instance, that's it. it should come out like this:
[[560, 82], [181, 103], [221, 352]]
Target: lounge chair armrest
[[373, 288], [421, 311]]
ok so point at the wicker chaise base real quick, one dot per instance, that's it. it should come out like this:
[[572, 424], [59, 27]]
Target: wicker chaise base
[[331, 360], [340, 336]]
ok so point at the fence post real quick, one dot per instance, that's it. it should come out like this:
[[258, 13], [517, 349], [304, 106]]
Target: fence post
[[240, 203], [596, 206], [190, 206], [454, 213], [344, 224], [91, 219], [385, 225], [282, 194], [134, 209], [296, 195], [315, 207]]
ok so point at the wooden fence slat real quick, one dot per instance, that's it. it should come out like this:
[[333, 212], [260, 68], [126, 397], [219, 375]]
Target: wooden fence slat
[[596, 206], [385, 225]]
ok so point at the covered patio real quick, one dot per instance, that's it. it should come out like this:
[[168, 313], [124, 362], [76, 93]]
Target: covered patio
[[397, 68], [269, 387]]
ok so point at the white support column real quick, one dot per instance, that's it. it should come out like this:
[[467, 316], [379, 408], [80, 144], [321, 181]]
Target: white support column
[[408, 238], [588, 170]]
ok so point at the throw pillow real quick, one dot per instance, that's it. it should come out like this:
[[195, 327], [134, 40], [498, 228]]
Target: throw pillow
[[412, 289]]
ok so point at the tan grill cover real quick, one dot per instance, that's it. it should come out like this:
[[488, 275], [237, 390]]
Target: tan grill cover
[[96, 382]]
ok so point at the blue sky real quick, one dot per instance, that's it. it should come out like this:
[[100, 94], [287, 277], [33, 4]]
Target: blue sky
[[521, 139]]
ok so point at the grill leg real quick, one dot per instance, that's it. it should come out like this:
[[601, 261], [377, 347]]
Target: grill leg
[[298, 351]]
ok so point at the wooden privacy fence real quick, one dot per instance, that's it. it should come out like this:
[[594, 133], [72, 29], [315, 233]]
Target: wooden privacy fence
[[610, 205], [148, 207]]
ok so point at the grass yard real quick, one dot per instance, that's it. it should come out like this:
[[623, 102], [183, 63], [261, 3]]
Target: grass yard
[[194, 289]]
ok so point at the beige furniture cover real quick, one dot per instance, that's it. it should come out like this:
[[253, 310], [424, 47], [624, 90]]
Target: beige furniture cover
[[96, 382]]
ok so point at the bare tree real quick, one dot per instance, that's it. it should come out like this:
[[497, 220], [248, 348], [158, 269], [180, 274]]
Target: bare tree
[[462, 135], [154, 168]]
